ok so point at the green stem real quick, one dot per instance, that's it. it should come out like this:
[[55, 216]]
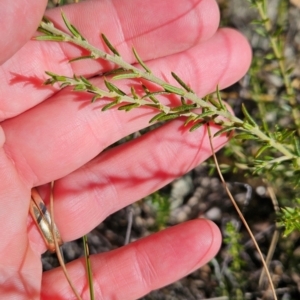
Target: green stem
[[262, 10]]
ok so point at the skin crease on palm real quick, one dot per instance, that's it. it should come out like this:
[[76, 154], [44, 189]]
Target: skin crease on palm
[[47, 134]]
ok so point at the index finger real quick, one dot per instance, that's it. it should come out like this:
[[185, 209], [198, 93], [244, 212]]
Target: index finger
[[156, 28], [15, 36]]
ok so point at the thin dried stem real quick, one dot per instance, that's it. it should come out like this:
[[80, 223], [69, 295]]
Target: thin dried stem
[[59, 256], [240, 213]]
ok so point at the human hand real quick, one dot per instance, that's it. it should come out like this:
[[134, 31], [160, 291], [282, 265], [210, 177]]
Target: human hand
[[49, 135]]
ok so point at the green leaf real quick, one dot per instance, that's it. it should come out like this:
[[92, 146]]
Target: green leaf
[[215, 103], [112, 88], [109, 45], [284, 135], [82, 57], [261, 150], [56, 77], [156, 117], [224, 130], [245, 136], [257, 22], [72, 28], [247, 116], [173, 89], [221, 104], [49, 81], [183, 101], [207, 113], [164, 117], [168, 117], [153, 99], [43, 30], [54, 38], [126, 76], [46, 20], [296, 142], [261, 32], [196, 126], [182, 108], [128, 107], [64, 84], [134, 94], [95, 98], [79, 87], [110, 105], [189, 120], [182, 83], [140, 61]]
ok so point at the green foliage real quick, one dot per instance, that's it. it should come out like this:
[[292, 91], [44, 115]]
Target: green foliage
[[290, 218], [234, 249], [162, 206], [233, 241]]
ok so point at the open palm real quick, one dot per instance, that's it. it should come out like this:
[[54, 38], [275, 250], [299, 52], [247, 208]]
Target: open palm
[[47, 134]]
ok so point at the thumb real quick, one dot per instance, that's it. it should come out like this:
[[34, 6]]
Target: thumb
[[20, 20]]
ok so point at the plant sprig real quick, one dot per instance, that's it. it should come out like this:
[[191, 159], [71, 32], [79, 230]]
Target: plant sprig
[[274, 35], [213, 109]]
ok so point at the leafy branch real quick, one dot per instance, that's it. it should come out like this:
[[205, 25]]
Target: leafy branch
[[212, 108]]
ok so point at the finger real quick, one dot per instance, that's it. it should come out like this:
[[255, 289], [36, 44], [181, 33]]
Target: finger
[[128, 173], [12, 14], [20, 267], [69, 124], [149, 26], [138, 268]]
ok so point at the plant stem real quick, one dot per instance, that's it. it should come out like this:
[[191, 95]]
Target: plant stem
[[262, 10]]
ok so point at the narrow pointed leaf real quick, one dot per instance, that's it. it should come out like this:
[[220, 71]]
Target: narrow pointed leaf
[[215, 103], [79, 87], [182, 108], [189, 120], [133, 93], [261, 150], [109, 45], [208, 113], [72, 28], [168, 117], [156, 117], [46, 20], [54, 38], [296, 141], [183, 101], [128, 107], [222, 106], [224, 130], [109, 105], [182, 83], [82, 57], [245, 136], [247, 116], [95, 98], [45, 31], [112, 88], [138, 58], [196, 126], [173, 89], [153, 99], [126, 76]]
